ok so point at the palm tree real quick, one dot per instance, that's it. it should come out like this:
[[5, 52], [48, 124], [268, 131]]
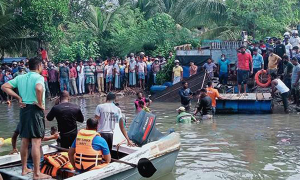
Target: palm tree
[[187, 13]]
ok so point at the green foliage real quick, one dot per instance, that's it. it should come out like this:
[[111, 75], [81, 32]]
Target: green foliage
[[44, 17], [165, 75], [77, 29]]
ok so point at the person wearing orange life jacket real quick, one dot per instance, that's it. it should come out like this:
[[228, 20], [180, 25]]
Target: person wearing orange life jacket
[[89, 151]]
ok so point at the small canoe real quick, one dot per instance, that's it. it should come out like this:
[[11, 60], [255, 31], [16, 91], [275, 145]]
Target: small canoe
[[162, 153]]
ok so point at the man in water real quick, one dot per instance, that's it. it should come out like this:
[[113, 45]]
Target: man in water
[[284, 92], [213, 94], [184, 117], [31, 88], [140, 97], [66, 114], [204, 106], [185, 96], [108, 114], [89, 149]]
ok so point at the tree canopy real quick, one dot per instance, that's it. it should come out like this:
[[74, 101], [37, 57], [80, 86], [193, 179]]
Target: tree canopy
[[78, 29]]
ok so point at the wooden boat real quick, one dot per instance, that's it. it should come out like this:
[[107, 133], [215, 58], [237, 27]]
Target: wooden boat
[[162, 154]]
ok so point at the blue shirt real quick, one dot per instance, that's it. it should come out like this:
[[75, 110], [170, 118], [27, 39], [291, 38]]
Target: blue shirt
[[98, 144], [224, 65], [257, 61], [149, 67]]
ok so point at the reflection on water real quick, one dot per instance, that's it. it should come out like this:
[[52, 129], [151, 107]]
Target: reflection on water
[[230, 147]]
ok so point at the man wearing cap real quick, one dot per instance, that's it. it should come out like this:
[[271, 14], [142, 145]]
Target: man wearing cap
[[177, 75], [108, 114], [184, 117], [295, 39], [21, 71], [244, 67], [132, 70], [142, 72], [155, 69], [14, 67]]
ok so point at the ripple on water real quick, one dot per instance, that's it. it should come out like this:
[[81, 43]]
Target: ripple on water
[[235, 147]]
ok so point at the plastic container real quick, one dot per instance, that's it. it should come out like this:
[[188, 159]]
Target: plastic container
[[157, 88], [169, 84]]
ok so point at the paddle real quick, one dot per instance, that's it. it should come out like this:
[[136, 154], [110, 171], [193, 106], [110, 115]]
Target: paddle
[[144, 166]]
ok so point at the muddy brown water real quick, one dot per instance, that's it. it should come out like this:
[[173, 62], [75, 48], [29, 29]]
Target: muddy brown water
[[230, 147]]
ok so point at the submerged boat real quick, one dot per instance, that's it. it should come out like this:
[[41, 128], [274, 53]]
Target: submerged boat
[[162, 154]]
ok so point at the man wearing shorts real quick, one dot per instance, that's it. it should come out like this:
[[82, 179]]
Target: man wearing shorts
[[142, 72], [31, 88], [108, 70], [108, 114], [244, 65], [89, 71]]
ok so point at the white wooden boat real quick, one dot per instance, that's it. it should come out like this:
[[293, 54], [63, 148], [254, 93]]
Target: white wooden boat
[[162, 153]]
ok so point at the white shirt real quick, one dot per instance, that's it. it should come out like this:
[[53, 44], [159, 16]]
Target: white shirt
[[142, 66], [109, 69], [288, 47], [109, 114], [81, 73], [132, 65], [116, 66], [282, 88], [295, 41]]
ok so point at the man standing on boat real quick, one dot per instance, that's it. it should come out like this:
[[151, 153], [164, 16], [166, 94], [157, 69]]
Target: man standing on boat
[[244, 68], [67, 115], [31, 88], [108, 114], [89, 149]]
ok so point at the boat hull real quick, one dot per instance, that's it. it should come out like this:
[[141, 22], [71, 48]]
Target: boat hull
[[163, 164]]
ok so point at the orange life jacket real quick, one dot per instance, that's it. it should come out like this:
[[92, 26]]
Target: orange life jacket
[[54, 162], [86, 158]]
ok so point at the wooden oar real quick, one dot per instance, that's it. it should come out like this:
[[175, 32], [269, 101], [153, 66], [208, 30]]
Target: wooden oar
[[145, 166]]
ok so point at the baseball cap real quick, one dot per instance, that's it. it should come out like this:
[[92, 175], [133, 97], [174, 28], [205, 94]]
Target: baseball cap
[[181, 109], [176, 61]]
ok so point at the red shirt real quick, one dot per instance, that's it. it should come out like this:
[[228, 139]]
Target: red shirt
[[45, 74], [44, 54], [244, 60], [73, 73]]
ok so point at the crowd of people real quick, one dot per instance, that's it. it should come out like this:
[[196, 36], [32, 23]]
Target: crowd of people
[[31, 127], [279, 58], [91, 76]]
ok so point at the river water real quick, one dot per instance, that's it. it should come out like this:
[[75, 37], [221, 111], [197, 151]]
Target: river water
[[230, 147]]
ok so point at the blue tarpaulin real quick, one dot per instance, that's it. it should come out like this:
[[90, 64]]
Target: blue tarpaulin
[[12, 59]]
